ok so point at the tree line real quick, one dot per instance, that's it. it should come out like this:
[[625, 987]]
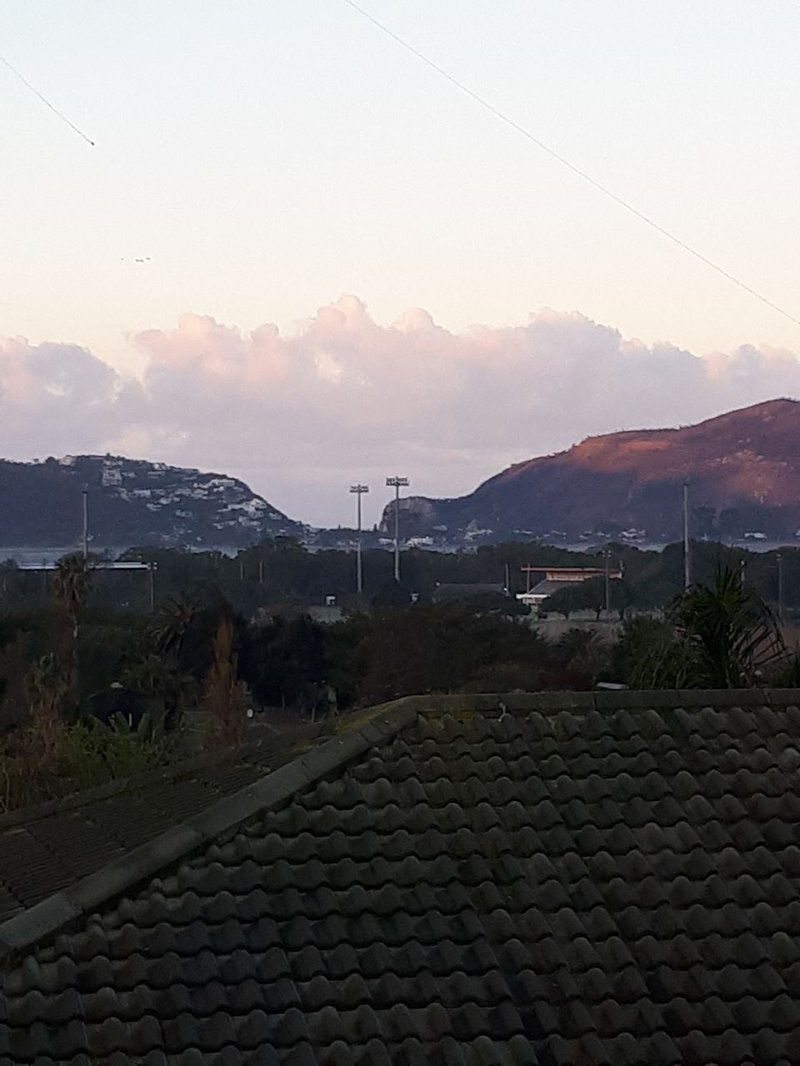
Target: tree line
[[91, 687], [283, 574]]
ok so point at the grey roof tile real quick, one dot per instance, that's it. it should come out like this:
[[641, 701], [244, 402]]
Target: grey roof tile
[[619, 885]]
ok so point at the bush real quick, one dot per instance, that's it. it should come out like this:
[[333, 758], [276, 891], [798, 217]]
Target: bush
[[50, 759], [94, 753], [649, 655], [447, 648]]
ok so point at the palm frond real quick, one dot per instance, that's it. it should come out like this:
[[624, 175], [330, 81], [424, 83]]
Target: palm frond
[[733, 630]]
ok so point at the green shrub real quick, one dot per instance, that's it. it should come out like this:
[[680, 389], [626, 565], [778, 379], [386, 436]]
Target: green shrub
[[95, 753], [51, 759]]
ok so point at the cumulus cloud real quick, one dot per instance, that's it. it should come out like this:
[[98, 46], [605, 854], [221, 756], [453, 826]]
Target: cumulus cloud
[[56, 397], [299, 415]]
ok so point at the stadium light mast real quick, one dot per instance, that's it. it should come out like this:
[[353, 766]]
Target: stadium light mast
[[397, 483], [359, 491], [687, 548], [85, 495]]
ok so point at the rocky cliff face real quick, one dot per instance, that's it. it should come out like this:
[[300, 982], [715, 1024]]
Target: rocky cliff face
[[744, 469], [131, 502]]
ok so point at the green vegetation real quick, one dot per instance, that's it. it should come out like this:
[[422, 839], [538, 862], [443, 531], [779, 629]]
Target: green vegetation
[[721, 634], [728, 631], [220, 643], [294, 577], [581, 596]]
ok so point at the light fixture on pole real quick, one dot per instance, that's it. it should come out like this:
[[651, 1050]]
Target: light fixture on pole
[[396, 483], [359, 490]]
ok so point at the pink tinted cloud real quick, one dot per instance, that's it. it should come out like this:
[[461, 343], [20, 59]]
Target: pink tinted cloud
[[56, 397], [302, 413]]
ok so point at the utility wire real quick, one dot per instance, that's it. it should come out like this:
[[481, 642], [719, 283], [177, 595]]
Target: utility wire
[[45, 101], [565, 162]]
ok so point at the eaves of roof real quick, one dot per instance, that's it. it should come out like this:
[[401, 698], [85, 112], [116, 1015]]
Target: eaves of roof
[[518, 880], [354, 734]]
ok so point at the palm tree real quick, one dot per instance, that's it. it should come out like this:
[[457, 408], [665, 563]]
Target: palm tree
[[174, 622], [162, 681], [70, 589], [71, 584], [730, 631]]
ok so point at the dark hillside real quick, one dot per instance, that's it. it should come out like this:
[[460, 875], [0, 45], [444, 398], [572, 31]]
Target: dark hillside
[[130, 502]]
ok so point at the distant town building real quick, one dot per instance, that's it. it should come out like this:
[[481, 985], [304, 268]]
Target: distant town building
[[555, 578]]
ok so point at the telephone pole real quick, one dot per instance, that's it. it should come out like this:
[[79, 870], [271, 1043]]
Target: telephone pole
[[85, 494], [359, 491], [396, 483], [607, 554]]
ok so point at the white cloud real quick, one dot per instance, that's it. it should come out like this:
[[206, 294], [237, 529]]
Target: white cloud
[[300, 415], [56, 397]]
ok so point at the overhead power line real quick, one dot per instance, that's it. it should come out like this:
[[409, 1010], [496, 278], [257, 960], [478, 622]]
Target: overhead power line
[[45, 101], [564, 161]]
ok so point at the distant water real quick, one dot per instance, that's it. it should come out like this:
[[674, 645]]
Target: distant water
[[46, 556], [34, 555], [645, 546]]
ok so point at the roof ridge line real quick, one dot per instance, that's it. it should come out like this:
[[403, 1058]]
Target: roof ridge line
[[435, 704], [61, 909], [495, 704]]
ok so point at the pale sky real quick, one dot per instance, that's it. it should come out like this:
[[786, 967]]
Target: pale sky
[[270, 155]]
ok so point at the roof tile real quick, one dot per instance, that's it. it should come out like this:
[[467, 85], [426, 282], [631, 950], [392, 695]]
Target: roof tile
[[616, 885]]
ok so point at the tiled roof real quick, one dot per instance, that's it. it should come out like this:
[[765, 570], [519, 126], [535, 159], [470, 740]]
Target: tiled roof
[[47, 850], [593, 883]]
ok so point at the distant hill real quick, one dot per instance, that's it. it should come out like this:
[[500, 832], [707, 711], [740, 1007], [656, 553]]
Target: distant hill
[[744, 469], [131, 502]]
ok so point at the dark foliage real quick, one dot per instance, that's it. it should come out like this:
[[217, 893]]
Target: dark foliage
[[283, 661], [435, 649], [729, 631]]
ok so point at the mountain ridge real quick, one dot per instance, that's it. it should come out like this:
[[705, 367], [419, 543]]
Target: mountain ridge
[[132, 502], [744, 466]]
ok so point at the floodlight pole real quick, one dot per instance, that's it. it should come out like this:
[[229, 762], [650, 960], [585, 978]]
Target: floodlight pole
[[396, 482], [359, 491], [85, 494], [779, 562], [687, 559]]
